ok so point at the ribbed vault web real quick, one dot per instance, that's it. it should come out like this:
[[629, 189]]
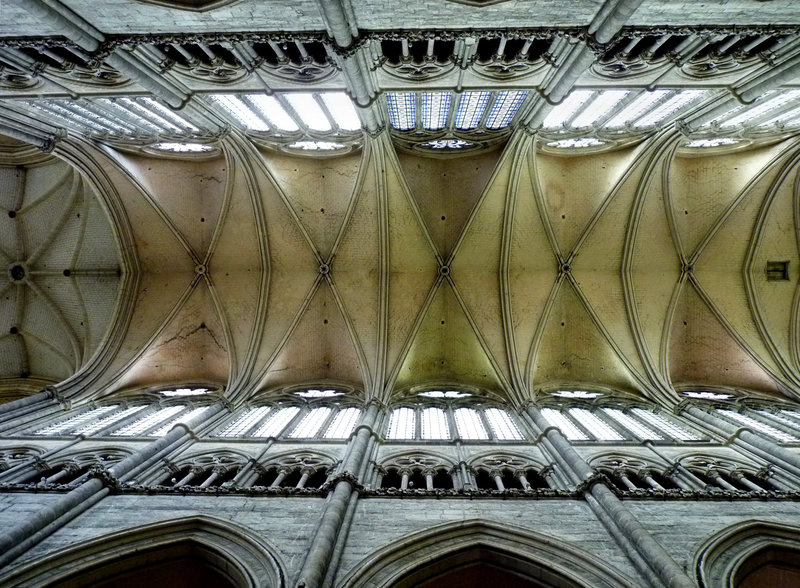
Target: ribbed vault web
[[639, 269], [60, 271]]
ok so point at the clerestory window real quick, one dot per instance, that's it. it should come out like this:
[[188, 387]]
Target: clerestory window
[[447, 421], [318, 414], [612, 424]]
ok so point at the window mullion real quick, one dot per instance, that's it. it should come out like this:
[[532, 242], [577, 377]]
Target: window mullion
[[579, 425], [142, 412], [298, 120], [616, 426], [451, 423], [657, 104], [292, 424], [489, 431], [331, 119], [418, 112], [578, 111], [455, 100], [335, 410]]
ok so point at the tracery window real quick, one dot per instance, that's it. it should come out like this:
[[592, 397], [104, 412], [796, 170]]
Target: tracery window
[[620, 109], [92, 421], [150, 415], [70, 470], [302, 414], [760, 421], [294, 115], [628, 474], [444, 415], [467, 114], [585, 416]]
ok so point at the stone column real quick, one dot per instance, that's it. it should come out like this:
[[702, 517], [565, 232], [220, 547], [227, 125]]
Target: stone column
[[279, 478], [315, 566], [498, 480], [742, 479], [523, 480], [720, 481], [248, 475], [19, 412], [405, 474], [623, 523], [647, 476]]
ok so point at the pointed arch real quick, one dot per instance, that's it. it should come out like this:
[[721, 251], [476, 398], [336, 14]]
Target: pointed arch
[[456, 545], [730, 555], [233, 552]]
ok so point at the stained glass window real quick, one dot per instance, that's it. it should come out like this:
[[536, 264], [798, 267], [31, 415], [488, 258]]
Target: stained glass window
[[504, 108], [148, 422], [435, 109], [471, 106], [501, 425], [75, 422], [402, 110], [245, 422], [567, 427], [310, 424], [276, 422]]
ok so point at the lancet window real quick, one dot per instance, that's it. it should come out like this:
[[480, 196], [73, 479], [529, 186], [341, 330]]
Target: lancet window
[[302, 414], [150, 415], [588, 416], [433, 416], [779, 422], [434, 111]]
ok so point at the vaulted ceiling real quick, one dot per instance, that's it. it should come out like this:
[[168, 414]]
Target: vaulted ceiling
[[640, 269], [514, 258]]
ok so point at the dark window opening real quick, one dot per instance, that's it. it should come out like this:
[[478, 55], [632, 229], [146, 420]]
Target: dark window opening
[[266, 478], [510, 481], [663, 481], [292, 478], [174, 478], [536, 480], [391, 479], [317, 479], [417, 480], [442, 480], [484, 481]]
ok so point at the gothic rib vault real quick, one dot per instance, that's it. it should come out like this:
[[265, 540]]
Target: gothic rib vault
[[514, 284], [639, 269]]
